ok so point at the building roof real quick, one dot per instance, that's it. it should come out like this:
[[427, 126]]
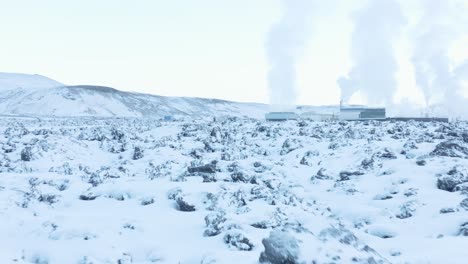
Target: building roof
[[356, 109]]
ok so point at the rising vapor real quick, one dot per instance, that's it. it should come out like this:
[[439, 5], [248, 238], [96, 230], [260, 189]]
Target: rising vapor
[[461, 72], [376, 27], [285, 42], [437, 77]]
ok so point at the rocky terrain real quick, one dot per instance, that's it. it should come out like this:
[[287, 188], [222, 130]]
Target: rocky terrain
[[232, 190]]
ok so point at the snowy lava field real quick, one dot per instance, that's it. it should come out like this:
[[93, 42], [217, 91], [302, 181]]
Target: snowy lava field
[[86, 190]]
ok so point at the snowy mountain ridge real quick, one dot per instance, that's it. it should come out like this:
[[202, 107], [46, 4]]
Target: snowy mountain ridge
[[36, 95]]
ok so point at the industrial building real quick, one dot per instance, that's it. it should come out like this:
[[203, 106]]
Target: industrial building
[[349, 113], [420, 119], [314, 116], [362, 113], [281, 116]]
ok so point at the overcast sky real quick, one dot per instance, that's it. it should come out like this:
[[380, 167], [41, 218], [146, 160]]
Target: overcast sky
[[204, 48]]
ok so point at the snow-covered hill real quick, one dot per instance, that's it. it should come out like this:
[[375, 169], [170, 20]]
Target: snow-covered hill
[[13, 81], [108, 102], [35, 95], [87, 190]]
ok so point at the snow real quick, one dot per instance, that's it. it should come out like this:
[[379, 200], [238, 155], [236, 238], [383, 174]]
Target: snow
[[35, 95], [84, 197], [11, 81]]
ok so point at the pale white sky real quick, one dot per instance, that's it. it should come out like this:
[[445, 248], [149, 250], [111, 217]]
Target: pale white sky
[[204, 48]]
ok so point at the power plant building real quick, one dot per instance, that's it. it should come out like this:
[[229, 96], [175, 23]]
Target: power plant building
[[319, 116], [362, 113], [281, 116]]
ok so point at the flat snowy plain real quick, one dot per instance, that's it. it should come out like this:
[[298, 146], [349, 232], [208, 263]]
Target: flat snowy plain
[[87, 190]]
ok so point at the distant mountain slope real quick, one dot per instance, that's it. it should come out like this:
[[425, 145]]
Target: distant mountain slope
[[35, 95], [11, 81]]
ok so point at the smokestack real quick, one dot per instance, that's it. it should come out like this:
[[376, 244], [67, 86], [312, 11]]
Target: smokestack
[[285, 42], [376, 27]]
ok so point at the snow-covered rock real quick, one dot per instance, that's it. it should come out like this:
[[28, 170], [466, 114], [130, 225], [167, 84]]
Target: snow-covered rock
[[233, 190]]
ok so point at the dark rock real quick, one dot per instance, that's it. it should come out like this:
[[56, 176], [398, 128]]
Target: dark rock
[[406, 210], [261, 225], [48, 198], [421, 162], [173, 194], [447, 210], [196, 153], [367, 163], [147, 201], [9, 148], [26, 154], [158, 170], [302, 123], [208, 147], [454, 177], [233, 167], [216, 134], [464, 230], [465, 137], [322, 175], [238, 240], [345, 175], [214, 223], [333, 146], [462, 187], [137, 153], [117, 134], [259, 167], [410, 145], [88, 196], [307, 159], [387, 154], [410, 192], [209, 177], [450, 148], [262, 129], [464, 204], [290, 145], [452, 134], [260, 192], [280, 248], [184, 206], [383, 197], [273, 184], [95, 178], [240, 177], [207, 168], [257, 164]]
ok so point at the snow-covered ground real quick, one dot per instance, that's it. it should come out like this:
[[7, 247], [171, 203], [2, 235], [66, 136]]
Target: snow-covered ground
[[88, 190]]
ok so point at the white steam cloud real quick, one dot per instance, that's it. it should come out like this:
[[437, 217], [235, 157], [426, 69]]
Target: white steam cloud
[[461, 72], [376, 27], [285, 42], [437, 77]]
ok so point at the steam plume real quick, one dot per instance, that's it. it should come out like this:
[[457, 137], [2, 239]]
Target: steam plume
[[461, 72], [438, 29], [285, 42], [375, 28]]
